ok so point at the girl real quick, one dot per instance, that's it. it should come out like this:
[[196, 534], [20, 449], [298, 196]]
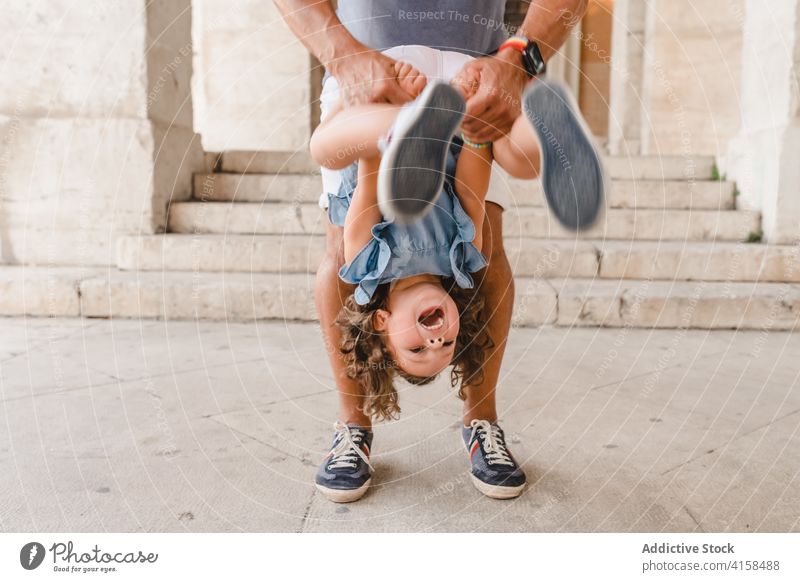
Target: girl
[[412, 313]]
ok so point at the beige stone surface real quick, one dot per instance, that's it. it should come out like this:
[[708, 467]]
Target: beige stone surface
[[708, 305], [267, 162], [208, 296], [716, 261], [303, 253], [257, 187], [289, 187], [635, 224], [306, 218], [255, 84], [44, 292], [96, 118], [692, 72], [660, 166], [659, 304], [219, 427], [591, 302], [221, 253]]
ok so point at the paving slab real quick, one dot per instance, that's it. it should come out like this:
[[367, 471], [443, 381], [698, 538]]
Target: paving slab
[[202, 426], [751, 484], [136, 457]]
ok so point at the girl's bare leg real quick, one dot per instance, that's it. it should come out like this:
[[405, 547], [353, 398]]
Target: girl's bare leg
[[518, 152]]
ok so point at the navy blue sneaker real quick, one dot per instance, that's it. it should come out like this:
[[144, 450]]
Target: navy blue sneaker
[[572, 173], [345, 472], [494, 471]]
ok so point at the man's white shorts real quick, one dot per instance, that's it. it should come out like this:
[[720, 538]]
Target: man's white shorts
[[434, 64]]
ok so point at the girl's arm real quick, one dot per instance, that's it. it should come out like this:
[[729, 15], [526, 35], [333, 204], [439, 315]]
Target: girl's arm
[[473, 170], [363, 213]]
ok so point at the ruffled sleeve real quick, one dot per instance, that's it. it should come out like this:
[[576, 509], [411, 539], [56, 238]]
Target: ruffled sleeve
[[465, 258], [366, 269]]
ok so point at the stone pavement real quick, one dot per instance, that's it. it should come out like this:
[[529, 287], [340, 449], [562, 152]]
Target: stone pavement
[[199, 426]]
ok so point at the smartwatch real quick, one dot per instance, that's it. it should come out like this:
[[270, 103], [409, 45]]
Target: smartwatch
[[532, 59]]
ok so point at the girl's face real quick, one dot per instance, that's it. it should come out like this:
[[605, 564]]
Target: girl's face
[[421, 324]]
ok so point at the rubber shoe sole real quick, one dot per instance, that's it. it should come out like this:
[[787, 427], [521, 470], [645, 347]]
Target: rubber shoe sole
[[572, 173], [412, 168], [497, 491], [344, 495]]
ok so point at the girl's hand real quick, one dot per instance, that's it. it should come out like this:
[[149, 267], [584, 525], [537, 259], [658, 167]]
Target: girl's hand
[[410, 79], [368, 77]]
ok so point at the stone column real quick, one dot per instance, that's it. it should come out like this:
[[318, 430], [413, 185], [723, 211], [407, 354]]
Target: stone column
[[692, 72], [764, 158], [95, 125], [627, 74], [257, 87]]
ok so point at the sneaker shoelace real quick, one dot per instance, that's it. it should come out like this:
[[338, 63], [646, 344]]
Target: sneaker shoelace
[[346, 452], [493, 442]]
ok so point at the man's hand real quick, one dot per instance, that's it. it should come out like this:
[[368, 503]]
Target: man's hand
[[368, 77], [491, 111]]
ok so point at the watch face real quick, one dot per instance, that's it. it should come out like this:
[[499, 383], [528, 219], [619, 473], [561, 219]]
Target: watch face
[[533, 59]]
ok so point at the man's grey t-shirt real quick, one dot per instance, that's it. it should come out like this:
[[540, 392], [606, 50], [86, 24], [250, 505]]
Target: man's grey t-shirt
[[474, 27]]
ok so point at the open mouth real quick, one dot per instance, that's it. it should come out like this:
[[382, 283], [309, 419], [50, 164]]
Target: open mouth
[[432, 319]]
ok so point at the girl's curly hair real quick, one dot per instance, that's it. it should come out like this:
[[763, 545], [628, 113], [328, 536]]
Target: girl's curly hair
[[369, 361]]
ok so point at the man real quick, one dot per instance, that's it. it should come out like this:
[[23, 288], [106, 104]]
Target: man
[[347, 43]]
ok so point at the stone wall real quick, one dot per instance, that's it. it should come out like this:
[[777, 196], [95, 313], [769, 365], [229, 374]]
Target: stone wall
[[95, 125], [764, 157], [692, 75], [256, 85]]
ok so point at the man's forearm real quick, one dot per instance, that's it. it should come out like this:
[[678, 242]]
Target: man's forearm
[[549, 22], [315, 23]]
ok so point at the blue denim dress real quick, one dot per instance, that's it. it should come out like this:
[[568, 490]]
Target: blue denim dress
[[440, 243]]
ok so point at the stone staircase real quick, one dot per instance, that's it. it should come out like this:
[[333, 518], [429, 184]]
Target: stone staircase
[[671, 251]]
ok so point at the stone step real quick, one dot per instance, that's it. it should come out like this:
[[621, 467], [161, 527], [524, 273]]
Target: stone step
[[694, 261], [247, 297], [682, 305], [610, 259], [42, 291], [299, 188], [618, 167], [617, 223], [302, 254]]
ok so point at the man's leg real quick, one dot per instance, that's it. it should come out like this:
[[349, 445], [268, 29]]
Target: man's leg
[[494, 471], [330, 293], [497, 285]]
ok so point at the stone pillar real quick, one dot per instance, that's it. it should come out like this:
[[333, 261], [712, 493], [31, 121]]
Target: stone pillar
[[627, 74], [257, 87], [95, 125], [764, 159], [692, 71]]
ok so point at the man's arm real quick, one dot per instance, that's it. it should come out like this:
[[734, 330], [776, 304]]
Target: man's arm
[[496, 104], [364, 75]]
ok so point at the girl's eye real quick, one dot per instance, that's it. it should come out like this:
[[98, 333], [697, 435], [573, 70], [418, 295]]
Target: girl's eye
[[416, 350], [449, 343]]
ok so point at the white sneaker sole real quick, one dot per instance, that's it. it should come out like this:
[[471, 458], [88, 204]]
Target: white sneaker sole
[[344, 495], [497, 491]]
